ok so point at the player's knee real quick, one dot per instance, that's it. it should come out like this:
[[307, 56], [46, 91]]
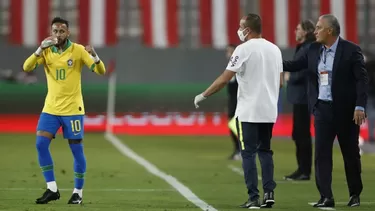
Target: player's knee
[[75, 141], [42, 143], [44, 134]]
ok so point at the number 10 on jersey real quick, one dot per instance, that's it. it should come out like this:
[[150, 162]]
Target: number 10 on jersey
[[60, 74], [76, 125]]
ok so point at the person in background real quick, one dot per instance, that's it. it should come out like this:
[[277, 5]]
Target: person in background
[[368, 147], [297, 95], [21, 77], [232, 104], [370, 66]]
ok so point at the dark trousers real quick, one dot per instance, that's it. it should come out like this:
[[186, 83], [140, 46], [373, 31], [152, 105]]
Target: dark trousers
[[302, 138], [327, 126], [255, 138]]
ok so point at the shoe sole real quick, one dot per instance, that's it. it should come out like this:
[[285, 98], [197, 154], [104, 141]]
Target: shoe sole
[[355, 205], [80, 202], [38, 202], [268, 204], [254, 208]]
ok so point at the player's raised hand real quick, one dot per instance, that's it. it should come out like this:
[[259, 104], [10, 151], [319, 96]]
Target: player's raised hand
[[91, 50], [49, 41]]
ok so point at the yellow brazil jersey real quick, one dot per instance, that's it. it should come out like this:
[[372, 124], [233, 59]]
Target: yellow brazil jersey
[[63, 73]]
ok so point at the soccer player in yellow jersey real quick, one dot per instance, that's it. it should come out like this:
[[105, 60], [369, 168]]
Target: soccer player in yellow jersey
[[63, 61]]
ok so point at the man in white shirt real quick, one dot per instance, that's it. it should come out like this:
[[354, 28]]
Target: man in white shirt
[[258, 66]]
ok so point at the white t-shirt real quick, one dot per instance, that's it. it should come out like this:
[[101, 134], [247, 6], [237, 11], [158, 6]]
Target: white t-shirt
[[258, 64]]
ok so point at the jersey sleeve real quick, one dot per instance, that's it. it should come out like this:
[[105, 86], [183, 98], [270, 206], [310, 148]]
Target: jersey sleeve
[[89, 62], [237, 59], [33, 62]]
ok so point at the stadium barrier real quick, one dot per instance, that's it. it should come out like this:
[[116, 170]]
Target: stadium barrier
[[146, 123]]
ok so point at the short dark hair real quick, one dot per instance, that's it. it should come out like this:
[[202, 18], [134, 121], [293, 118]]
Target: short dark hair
[[254, 22], [309, 27], [60, 20]]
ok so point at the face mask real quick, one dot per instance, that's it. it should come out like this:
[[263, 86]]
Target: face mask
[[241, 35]]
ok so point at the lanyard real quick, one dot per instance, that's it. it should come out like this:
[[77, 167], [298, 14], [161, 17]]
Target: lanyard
[[325, 53]]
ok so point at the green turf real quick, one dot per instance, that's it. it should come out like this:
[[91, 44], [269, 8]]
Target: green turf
[[198, 162]]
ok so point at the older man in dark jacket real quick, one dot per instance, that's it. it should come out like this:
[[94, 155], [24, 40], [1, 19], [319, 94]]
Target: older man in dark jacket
[[297, 95]]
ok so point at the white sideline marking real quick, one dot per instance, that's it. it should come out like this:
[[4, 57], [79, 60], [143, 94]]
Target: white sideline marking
[[92, 190], [240, 172], [184, 191], [322, 208]]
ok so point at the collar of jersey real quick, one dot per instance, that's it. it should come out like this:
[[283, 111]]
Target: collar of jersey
[[68, 44]]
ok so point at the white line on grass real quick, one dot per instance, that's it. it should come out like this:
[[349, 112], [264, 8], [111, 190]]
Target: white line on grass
[[240, 172], [93, 190], [322, 208], [184, 191]]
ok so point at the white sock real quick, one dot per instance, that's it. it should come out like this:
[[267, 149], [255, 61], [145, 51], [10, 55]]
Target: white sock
[[79, 191], [52, 186]]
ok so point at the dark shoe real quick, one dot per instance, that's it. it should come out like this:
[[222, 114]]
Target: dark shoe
[[292, 175], [251, 204], [268, 200], [320, 201], [48, 196], [297, 176], [354, 201], [75, 199], [325, 202]]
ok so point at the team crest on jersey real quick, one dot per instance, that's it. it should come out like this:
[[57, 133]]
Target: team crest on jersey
[[70, 63]]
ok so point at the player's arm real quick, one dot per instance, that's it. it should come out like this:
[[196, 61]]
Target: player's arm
[[219, 83], [233, 67], [297, 65], [36, 58], [280, 69], [33, 62], [92, 61], [281, 80]]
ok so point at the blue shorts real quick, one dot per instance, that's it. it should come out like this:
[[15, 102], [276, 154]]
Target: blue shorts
[[72, 126]]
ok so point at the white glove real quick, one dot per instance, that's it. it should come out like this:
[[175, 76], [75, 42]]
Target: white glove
[[48, 42], [198, 99]]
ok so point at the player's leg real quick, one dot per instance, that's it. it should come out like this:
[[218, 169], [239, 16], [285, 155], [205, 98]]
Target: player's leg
[[46, 130], [265, 155], [232, 103], [73, 128], [248, 137]]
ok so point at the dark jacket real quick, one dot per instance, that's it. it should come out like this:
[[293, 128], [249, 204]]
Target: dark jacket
[[349, 77], [297, 84]]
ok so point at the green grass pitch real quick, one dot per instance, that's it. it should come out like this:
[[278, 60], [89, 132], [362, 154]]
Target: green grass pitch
[[115, 182]]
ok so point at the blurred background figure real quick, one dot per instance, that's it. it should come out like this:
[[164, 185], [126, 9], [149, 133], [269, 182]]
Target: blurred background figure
[[297, 95], [21, 77], [232, 104], [369, 145]]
